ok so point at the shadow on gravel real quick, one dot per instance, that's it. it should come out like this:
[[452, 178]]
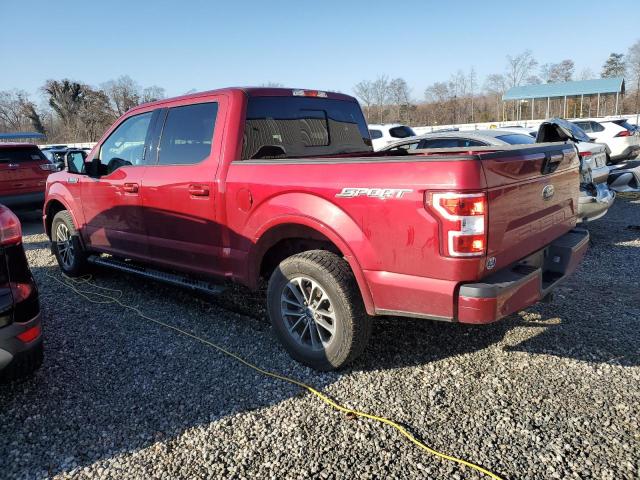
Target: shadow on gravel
[[597, 310], [113, 383]]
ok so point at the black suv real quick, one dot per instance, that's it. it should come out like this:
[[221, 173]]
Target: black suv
[[21, 350]]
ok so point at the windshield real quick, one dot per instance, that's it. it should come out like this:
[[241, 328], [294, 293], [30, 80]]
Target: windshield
[[285, 127], [516, 138]]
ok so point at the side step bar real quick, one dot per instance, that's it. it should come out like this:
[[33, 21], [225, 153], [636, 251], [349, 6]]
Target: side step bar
[[158, 275]]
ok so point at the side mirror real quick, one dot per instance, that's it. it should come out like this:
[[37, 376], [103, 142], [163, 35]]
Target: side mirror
[[74, 160]]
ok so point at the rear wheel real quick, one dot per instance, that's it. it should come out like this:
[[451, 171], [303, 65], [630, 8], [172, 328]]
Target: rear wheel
[[316, 310], [66, 245]]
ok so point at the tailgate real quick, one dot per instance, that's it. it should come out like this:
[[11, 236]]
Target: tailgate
[[533, 197]]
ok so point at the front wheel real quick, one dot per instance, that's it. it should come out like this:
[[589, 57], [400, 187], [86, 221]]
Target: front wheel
[[316, 310], [66, 245]]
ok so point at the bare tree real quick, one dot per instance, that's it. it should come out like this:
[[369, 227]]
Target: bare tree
[[124, 93], [65, 98], [633, 64], [30, 112], [399, 95], [558, 72], [11, 109], [364, 91], [614, 66], [94, 116], [472, 90], [519, 68], [381, 94], [496, 85], [152, 93], [586, 74]]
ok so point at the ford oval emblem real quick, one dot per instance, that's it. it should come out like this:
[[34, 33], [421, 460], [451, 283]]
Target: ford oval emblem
[[548, 191]]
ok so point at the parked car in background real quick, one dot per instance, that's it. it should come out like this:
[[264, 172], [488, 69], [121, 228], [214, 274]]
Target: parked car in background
[[55, 155], [21, 348], [532, 132], [280, 184], [382, 135], [619, 135], [463, 138], [595, 196], [23, 174]]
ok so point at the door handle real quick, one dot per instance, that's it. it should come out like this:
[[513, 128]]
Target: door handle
[[199, 190], [130, 187], [13, 166]]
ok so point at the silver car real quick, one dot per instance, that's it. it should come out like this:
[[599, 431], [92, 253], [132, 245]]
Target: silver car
[[595, 195]]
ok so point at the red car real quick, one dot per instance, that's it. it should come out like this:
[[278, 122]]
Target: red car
[[283, 184], [23, 174], [21, 349]]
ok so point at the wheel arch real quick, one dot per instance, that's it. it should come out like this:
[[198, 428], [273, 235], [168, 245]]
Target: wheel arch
[[288, 235]]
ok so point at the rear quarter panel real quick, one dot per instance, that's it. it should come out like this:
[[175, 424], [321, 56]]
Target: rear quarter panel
[[390, 235]]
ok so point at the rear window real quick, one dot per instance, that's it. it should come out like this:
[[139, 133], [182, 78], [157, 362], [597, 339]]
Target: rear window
[[625, 124], [401, 132], [516, 139], [21, 154], [285, 127]]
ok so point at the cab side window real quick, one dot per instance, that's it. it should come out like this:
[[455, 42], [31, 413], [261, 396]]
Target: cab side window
[[188, 134], [440, 143], [125, 145]]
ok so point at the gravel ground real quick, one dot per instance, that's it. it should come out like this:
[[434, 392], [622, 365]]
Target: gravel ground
[[551, 392]]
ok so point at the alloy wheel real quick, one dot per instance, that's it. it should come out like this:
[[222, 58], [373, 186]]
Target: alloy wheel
[[308, 313]]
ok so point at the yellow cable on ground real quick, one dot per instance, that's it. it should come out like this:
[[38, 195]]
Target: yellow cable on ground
[[109, 299]]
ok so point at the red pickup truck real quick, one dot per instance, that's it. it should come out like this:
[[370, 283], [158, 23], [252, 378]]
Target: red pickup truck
[[244, 183]]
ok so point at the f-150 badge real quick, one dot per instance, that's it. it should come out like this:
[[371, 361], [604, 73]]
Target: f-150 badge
[[381, 193]]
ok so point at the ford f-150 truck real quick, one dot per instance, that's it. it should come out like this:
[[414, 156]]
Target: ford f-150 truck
[[250, 183]]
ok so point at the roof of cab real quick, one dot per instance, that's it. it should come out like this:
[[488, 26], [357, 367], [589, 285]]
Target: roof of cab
[[250, 91]]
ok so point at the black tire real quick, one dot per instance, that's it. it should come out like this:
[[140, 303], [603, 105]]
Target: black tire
[[23, 365], [78, 265], [351, 325]]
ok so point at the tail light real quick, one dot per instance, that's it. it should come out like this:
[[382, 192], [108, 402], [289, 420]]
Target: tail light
[[10, 228], [20, 291], [49, 167], [309, 93], [31, 334], [462, 219], [624, 133]]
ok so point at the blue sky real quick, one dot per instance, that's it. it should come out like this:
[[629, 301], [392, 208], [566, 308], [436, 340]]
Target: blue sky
[[326, 44]]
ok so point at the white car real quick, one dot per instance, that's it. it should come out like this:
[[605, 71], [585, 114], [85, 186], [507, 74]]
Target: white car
[[621, 138], [383, 135]]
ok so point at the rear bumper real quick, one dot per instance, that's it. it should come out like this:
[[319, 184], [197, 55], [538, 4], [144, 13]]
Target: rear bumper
[[524, 283], [593, 206], [35, 199], [628, 152], [12, 349]]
